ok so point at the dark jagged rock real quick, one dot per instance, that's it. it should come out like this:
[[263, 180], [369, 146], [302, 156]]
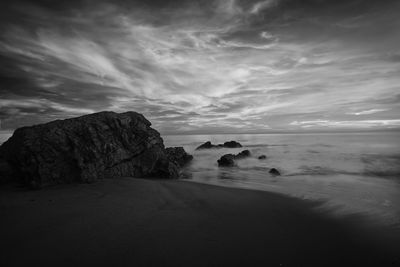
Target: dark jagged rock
[[274, 171], [262, 157], [178, 155], [87, 148], [227, 160], [209, 145]]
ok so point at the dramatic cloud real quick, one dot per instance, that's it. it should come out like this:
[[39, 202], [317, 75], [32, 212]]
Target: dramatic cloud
[[204, 66]]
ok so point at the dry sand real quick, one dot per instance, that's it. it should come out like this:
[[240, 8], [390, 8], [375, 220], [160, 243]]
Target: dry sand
[[135, 222]]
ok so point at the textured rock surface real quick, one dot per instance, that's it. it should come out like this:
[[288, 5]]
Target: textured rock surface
[[208, 145], [87, 148], [178, 155]]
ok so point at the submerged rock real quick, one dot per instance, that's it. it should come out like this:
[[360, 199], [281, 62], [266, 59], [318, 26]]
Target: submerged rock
[[274, 171], [88, 148], [209, 145], [227, 160], [178, 155], [262, 157]]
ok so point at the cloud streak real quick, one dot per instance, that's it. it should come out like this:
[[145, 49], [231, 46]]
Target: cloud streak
[[203, 66]]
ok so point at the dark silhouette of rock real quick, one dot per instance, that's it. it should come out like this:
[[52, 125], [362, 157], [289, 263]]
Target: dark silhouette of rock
[[232, 144], [243, 154], [274, 171], [262, 157], [227, 160], [178, 155], [208, 145], [88, 148], [6, 171]]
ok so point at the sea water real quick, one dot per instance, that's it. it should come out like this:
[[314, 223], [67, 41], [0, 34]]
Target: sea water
[[350, 173]]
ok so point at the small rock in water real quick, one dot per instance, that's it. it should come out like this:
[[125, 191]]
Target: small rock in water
[[262, 157], [243, 154], [274, 171], [209, 145], [206, 145], [227, 160], [232, 144]]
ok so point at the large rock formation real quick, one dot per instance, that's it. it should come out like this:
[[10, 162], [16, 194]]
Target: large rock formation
[[230, 144], [87, 148]]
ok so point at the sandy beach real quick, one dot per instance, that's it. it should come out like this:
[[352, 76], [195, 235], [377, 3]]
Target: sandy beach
[[136, 222]]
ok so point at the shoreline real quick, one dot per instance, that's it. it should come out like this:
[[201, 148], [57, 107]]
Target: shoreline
[[142, 222], [338, 205]]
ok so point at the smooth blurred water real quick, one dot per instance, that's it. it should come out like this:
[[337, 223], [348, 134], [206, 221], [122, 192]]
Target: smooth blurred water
[[351, 173]]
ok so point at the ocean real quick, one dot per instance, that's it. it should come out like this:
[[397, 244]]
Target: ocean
[[348, 173]]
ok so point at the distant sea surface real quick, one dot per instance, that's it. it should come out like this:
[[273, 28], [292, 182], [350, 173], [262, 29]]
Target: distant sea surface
[[4, 136], [351, 173]]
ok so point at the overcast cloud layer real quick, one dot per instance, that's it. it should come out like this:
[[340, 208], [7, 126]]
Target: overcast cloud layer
[[204, 66]]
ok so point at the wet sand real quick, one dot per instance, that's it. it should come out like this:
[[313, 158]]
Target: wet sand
[[135, 222]]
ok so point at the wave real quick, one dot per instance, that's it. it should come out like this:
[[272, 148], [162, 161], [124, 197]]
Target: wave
[[324, 171], [267, 145]]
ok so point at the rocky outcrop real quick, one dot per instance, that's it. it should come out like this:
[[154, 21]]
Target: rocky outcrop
[[88, 148], [228, 160], [178, 155], [274, 172], [230, 144]]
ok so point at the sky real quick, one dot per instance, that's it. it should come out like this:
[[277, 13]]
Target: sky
[[197, 66]]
